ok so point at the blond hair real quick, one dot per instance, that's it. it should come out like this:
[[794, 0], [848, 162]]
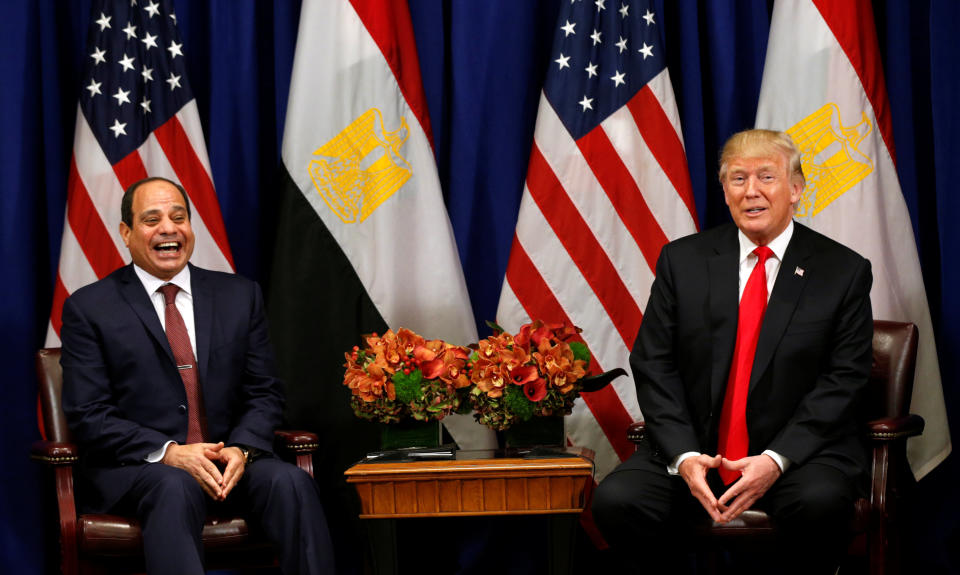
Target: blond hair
[[762, 144]]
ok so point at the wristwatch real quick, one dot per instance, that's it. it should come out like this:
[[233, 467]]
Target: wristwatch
[[245, 452]]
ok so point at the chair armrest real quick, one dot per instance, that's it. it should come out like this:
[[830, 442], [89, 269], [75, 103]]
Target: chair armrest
[[895, 428], [636, 431], [299, 446], [296, 441], [54, 453]]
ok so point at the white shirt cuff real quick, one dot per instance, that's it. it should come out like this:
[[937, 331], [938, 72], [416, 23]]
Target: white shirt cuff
[[674, 467], [157, 455], [782, 462]]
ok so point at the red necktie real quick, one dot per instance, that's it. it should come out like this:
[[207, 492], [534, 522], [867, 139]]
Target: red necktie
[[186, 363], [734, 441]]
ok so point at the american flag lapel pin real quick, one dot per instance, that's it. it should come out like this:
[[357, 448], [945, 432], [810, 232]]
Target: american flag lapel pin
[[798, 271]]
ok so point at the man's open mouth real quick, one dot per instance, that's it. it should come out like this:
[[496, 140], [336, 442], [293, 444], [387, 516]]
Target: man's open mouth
[[167, 247]]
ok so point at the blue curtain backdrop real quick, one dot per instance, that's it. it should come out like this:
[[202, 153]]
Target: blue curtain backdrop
[[483, 65]]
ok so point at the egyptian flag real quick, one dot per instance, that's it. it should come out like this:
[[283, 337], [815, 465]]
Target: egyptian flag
[[364, 241], [823, 84]]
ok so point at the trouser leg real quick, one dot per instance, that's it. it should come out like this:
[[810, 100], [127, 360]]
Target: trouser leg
[[284, 500], [637, 508], [171, 508], [812, 506]]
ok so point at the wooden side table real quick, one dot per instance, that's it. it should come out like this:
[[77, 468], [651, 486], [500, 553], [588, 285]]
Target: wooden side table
[[477, 483]]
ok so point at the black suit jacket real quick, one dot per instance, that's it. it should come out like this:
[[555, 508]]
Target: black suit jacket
[[813, 355], [122, 394]]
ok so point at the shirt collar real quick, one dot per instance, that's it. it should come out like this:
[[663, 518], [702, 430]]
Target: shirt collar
[[152, 283], [778, 246]]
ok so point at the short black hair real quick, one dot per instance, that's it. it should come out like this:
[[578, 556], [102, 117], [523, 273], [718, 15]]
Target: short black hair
[[126, 204]]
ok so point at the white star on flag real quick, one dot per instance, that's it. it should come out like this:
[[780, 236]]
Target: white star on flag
[[122, 96], [175, 49], [94, 87], [99, 56], [126, 62], [149, 40], [117, 128], [103, 22]]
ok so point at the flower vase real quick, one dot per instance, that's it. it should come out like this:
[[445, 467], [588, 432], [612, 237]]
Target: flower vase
[[410, 433], [545, 431]]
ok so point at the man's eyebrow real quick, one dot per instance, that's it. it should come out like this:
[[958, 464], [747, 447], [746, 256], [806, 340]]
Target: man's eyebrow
[[158, 211]]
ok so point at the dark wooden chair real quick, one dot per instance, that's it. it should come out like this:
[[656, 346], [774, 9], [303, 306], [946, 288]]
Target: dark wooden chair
[[102, 543], [875, 527]]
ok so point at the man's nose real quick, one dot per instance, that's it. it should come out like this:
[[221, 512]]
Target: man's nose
[[167, 226], [752, 186]]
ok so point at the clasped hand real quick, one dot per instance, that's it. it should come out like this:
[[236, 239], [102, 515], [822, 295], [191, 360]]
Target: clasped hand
[[200, 461], [759, 473]]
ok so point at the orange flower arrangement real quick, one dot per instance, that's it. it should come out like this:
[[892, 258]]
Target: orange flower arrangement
[[401, 374], [538, 371], [505, 378]]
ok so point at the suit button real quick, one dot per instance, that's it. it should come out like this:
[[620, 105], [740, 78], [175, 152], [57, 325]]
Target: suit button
[[182, 408]]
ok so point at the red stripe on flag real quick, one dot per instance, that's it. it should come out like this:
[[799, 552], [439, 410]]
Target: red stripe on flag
[[664, 144], [538, 301], [388, 23], [853, 26], [194, 178], [59, 296], [130, 170], [89, 228], [579, 241], [625, 196]]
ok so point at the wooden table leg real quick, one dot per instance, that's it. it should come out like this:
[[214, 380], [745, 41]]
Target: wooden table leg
[[563, 541], [382, 534]]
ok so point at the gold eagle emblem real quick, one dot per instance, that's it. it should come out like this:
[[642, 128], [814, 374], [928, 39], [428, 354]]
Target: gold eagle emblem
[[361, 167], [830, 157]]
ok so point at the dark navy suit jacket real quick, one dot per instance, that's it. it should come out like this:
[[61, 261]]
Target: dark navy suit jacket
[[812, 361], [123, 395]]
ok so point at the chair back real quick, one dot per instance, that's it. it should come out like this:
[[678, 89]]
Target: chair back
[[50, 381], [891, 376]]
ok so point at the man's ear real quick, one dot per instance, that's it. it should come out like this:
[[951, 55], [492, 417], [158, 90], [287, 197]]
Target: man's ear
[[125, 233], [796, 192]]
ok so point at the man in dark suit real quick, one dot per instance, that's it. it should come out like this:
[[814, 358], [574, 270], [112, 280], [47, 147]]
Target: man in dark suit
[[169, 390], [803, 362]]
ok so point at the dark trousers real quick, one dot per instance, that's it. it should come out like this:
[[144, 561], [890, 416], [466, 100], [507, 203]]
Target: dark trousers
[[641, 511], [278, 497]]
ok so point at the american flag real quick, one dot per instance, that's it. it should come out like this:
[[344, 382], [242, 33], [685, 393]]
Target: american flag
[[607, 186], [136, 118]]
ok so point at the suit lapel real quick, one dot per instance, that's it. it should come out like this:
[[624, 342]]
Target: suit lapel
[[131, 289], [202, 317], [783, 301], [723, 270]]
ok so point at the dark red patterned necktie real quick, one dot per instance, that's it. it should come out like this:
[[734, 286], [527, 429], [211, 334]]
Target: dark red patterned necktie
[[734, 441], [186, 363]]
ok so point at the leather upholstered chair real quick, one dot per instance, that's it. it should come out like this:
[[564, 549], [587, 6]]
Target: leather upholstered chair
[[876, 533], [102, 543]]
